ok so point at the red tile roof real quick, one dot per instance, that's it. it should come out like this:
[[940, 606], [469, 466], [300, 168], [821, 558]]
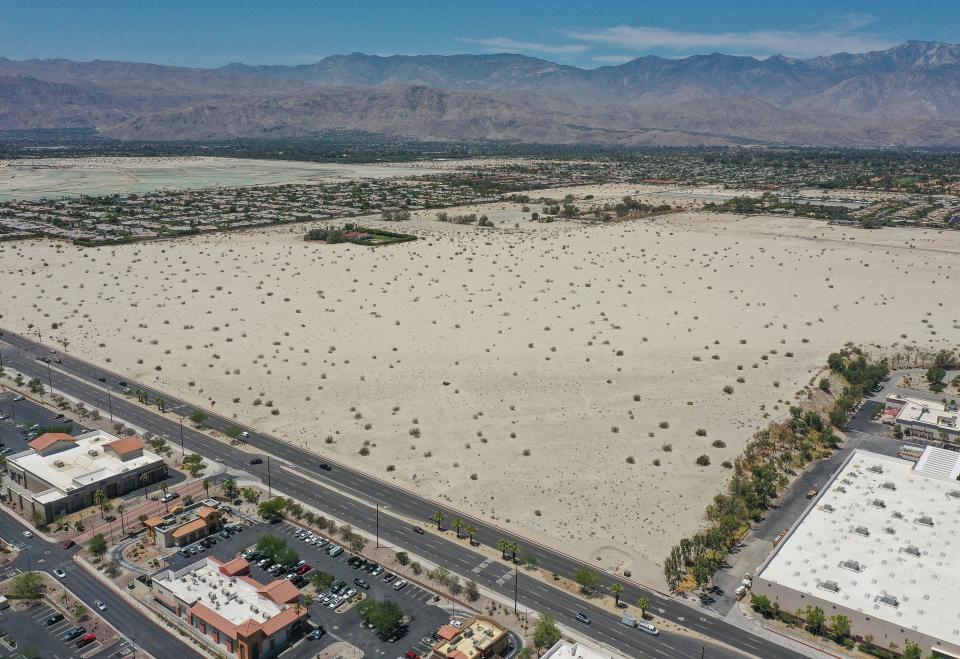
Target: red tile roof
[[126, 445], [446, 632], [280, 591], [48, 439], [234, 567], [205, 512]]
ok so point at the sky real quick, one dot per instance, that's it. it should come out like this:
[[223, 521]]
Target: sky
[[211, 33]]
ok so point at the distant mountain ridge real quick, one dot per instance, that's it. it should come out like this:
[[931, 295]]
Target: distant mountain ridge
[[905, 95]]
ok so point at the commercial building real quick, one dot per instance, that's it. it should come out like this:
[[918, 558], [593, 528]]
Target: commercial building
[[59, 473], [186, 527], [240, 616], [879, 546], [922, 418], [477, 638]]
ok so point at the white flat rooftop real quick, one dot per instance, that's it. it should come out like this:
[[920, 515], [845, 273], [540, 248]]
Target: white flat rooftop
[[881, 539], [929, 413], [566, 650], [232, 598], [84, 464]]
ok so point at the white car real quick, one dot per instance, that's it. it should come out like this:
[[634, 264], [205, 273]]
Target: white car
[[27, 534], [100, 605], [17, 398], [245, 434], [60, 573]]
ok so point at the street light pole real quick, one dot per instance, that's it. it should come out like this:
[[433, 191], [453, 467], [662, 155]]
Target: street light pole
[[378, 526], [110, 405], [50, 380], [181, 438], [269, 486], [516, 585]]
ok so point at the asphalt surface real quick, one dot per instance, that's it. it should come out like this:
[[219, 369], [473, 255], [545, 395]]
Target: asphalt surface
[[81, 380], [38, 554]]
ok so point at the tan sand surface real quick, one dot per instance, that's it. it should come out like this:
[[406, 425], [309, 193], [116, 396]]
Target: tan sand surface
[[451, 356]]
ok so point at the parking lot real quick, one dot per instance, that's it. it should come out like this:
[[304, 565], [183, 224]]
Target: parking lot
[[17, 417], [29, 629], [426, 616]]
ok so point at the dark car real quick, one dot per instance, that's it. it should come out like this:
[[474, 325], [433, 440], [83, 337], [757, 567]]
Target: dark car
[[54, 619], [74, 633], [325, 466], [583, 618], [68, 544], [299, 581], [417, 529], [257, 461], [122, 383], [318, 633], [360, 583], [58, 416], [101, 379], [110, 518]]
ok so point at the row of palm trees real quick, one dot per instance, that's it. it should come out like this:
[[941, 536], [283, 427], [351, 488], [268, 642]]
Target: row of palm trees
[[458, 524]]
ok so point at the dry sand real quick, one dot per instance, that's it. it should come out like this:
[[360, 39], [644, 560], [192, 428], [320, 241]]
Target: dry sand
[[571, 342]]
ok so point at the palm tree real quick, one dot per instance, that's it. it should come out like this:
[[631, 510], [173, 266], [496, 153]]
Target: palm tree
[[145, 479], [120, 510], [163, 486], [504, 546], [438, 517], [471, 531], [206, 486], [643, 604], [458, 524], [616, 589], [514, 550], [98, 498], [161, 405]]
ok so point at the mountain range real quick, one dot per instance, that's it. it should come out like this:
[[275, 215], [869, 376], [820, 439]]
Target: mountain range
[[908, 95]]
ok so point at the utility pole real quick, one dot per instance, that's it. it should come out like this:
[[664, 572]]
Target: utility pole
[[110, 405], [269, 487], [181, 438], [516, 585], [1, 359], [50, 380], [378, 526]]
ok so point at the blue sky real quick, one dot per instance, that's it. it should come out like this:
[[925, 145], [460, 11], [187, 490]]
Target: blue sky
[[588, 34]]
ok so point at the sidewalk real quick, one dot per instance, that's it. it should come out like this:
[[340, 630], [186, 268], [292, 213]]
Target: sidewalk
[[743, 616]]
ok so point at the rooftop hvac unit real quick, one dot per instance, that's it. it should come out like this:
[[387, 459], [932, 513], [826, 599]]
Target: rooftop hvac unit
[[925, 520], [954, 493], [840, 488], [93, 453], [897, 514], [58, 463], [877, 469], [862, 530], [889, 600], [878, 503], [468, 633], [827, 507], [851, 565], [910, 549], [889, 486], [830, 585]]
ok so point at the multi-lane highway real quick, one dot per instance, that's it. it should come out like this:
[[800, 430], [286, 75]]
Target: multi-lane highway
[[352, 496]]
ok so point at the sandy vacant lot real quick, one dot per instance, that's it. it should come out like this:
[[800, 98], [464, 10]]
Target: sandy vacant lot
[[529, 374]]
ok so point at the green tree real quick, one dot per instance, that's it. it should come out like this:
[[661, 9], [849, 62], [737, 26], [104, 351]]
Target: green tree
[[98, 545], [206, 486], [458, 525], [228, 487], [840, 626], [232, 432], [198, 417], [322, 580], [36, 386], [250, 494], [26, 586], [935, 376], [617, 590], [814, 619], [586, 578], [546, 633], [911, 650], [471, 531], [438, 517], [120, 510], [473, 591], [272, 509], [504, 546], [761, 604], [384, 616], [643, 604], [403, 558], [80, 612]]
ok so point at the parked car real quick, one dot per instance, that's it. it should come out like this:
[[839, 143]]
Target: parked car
[[299, 581], [390, 576], [54, 619], [68, 544], [303, 569], [100, 605], [73, 633], [336, 551], [360, 583], [27, 534], [86, 640], [401, 583], [245, 434], [17, 398]]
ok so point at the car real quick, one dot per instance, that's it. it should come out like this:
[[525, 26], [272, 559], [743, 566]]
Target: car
[[4, 416], [454, 622], [370, 567], [100, 605], [223, 534], [169, 496], [349, 592], [648, 628], [17, 398], [244, 434], [55, 618], [326, 599], [303, 569], [377, 571], [263, 562], [334, 603], [336, 550], [299, 581], [318, 633], [417, 529], [257, 461], [360, 583], [122, 383], [390, 576], [101, 379], [86, 640], [68, 544], [325, 466], [74, 633], [412, 655], [400, 585], [60, 573], [6, 451], [110, 518], [58, 416], [321, 542], [291, 576], [582, 617], [337, 587], [194, 550], [27, 534]]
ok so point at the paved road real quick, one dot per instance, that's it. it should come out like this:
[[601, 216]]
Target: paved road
[[80, 380], [46, 556]]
